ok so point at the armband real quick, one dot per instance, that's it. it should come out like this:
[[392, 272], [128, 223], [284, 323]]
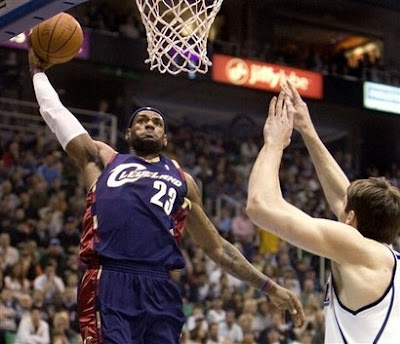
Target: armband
[[59, 119]]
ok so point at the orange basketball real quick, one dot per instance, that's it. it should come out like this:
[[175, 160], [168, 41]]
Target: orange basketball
[[57, 39]]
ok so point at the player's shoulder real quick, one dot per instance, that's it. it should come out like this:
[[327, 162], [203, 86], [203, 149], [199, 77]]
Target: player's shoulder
[[103, 146], [106, 152], [176, 164]]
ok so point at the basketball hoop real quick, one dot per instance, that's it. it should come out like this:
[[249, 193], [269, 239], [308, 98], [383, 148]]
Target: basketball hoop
[[177, 32]]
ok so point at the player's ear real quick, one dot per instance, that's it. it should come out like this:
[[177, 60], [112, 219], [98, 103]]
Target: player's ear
[[351, 219], [165, 142], [128, 134]]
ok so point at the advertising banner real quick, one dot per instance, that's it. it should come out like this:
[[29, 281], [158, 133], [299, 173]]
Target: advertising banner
[[265, 76]]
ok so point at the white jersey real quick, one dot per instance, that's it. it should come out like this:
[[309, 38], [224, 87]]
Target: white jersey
[[378, 322]]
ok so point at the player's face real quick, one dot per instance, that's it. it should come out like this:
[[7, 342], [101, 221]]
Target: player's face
[[147, 133]]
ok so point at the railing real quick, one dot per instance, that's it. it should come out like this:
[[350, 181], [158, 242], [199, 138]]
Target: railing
[[19, 115]]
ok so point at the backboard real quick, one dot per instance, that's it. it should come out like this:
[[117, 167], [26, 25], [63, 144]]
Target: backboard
[[17, 16]]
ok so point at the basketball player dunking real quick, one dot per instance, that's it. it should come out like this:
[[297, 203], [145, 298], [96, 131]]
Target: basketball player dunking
[[362, 303], [136, 210]]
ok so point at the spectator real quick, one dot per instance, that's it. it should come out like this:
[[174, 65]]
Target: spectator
[[49, 282], [224, 222], [262, 318], [16, 280], [213, 334], [33, 329], [229, 329], [244, 232], [49, 169], [12, 155], [54, 252], [216, 314], [8, 314], [70, 235], [61, 331], [9, 254], [24, 305], [197, 314]]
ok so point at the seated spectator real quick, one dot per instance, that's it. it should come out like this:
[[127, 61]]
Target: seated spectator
[[278, 330], [23, 306], [38, 299], [9, 254], [229, 329], [271, 335], [197, 314], [213, 334], [244, 232], [61, 331], [199, 334], [224, 222], [54, 252], [8, 314], [49, 282], [16, 280], [30, 260], [33, 329], [49, 169], [246, 322], [69, 235], [216, 314]]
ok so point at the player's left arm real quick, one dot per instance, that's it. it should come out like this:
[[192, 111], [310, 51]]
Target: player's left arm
[[231, 260]]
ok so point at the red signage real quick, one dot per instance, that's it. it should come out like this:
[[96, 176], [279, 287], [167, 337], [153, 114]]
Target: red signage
[[265, 76]]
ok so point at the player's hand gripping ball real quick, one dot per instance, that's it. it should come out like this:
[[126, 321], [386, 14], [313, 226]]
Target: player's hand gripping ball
[[57, 39]]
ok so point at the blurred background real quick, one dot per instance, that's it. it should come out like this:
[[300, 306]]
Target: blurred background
[[344, 53]]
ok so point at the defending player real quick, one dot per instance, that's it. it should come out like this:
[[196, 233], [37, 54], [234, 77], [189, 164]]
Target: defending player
[[362, 302], [136, 209]]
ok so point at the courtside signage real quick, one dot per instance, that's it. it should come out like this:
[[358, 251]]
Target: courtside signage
[[381, 97], [265, 76]]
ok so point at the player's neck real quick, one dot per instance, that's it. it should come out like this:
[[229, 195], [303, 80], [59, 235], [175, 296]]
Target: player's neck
[[152, 158]]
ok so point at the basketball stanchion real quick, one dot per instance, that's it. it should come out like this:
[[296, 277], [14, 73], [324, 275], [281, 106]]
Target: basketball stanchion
[[177, 33]]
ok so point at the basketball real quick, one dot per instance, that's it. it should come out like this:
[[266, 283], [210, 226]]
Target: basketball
[[57, 39]]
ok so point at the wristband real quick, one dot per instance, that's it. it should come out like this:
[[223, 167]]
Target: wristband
[[34, 70], [266, 286]]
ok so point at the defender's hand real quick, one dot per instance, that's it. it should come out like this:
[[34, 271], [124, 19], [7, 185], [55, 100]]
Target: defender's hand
[[302, 118], [278, 127]]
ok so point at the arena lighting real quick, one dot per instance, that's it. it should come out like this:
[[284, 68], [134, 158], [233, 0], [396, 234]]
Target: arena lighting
[[381, 97]]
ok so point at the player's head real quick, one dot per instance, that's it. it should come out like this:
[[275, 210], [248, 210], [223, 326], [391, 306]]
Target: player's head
[[146, 132], [375, 204]]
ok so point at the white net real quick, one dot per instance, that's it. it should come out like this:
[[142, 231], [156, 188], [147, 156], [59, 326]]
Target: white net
[[177, 32]]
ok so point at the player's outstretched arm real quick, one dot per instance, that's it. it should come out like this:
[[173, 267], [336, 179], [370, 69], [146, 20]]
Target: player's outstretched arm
[[267, 208], [231, 260], [75, 140], [333, 180]]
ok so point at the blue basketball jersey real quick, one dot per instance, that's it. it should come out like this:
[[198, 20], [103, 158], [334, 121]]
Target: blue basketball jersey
[[131, 213]]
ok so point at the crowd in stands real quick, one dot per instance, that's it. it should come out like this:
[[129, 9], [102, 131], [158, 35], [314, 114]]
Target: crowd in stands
[[42, 200]]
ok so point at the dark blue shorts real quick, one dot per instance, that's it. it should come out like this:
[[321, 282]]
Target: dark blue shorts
[[122, 303]]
